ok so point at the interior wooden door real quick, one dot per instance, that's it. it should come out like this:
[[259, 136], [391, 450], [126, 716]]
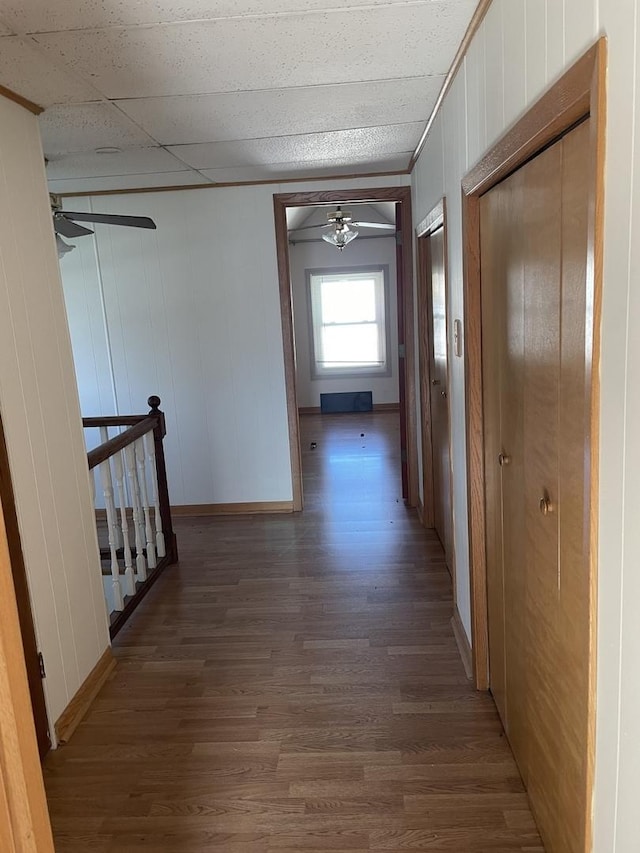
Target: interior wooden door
[[23, 600], [439, 372], [534, 253]]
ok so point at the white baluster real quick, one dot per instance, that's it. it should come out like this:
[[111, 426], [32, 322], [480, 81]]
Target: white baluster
[[130, 578], [144, 499], [107, 490], [150, 447], [138, 526], [114, 531]]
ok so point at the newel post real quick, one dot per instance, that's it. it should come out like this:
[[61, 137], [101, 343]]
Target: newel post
[[159, 432]]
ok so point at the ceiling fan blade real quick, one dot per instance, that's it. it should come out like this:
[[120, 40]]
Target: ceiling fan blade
[[67, 228], [385, 225], [111, 219]]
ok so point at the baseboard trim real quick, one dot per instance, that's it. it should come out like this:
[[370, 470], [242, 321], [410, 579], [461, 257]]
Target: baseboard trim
[[462, 642], [377, 407], [76, 710], [250, 508]]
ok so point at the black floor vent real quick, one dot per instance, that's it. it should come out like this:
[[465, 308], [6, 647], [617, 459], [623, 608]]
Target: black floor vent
[[346, 401]]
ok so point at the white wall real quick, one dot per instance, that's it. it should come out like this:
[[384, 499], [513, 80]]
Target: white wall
[[522, 46], [191, 312], [319, 255], [41, 418]]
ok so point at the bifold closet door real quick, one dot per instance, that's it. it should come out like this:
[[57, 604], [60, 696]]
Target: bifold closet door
[[534, 249], [503, 273]]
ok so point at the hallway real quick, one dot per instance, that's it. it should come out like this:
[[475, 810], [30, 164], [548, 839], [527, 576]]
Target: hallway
[[294, 686]]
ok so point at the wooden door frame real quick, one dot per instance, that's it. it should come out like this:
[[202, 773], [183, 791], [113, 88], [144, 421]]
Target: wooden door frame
[[24, 819], [316, 198], [23, 601], [423, 231], [435, 219], [579, 94]]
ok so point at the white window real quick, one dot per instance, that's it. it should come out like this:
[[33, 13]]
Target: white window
[[348, 313]]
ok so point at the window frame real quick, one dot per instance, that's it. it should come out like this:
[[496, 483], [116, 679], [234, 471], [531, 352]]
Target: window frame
[[317, 373]]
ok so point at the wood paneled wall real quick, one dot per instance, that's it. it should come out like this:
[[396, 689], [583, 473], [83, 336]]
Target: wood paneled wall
[[521, 47], [41, 418]]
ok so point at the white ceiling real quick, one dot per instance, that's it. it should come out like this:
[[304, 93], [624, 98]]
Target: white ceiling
[[199, 91]]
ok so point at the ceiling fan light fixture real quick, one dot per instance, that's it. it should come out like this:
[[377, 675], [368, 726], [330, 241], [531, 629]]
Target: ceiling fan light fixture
[[340, 236], [63, 248]]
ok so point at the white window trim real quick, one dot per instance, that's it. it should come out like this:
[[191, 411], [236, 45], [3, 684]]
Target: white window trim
[[349, 372]]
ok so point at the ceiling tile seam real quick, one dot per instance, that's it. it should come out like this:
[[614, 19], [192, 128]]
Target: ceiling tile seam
[[230, 92], [300, 13], [187, 165], [207, 179], [215, 185], [123, 117], [372, 81], [127, 175], [101, 99], [291, 135], [11, 32], [348, 165], [61, 66]]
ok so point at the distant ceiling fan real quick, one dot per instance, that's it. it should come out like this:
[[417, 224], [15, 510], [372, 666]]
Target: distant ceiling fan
[[65, 223], [341, 229]]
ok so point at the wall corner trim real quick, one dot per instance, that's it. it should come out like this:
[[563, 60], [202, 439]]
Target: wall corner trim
[[78, 707], [472, 29], [18, 99], [462, 641]]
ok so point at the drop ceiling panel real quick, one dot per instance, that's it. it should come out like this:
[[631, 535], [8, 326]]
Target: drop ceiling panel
[[283, 171], [252, 115], [340, 146], [84, 127], [30, 73], [46, 16], [127, 162], [123, 182], [266, 52]]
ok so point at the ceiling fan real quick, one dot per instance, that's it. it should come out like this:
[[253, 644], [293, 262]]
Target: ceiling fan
[[341, 229], [65, 223]]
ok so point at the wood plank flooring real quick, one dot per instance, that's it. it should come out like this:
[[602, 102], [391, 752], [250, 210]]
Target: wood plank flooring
[[293, 686]]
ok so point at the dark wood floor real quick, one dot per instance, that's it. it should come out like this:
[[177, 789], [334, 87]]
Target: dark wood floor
[[294, 687]]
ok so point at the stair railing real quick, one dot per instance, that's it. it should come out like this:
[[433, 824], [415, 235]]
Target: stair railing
[[135, 531]]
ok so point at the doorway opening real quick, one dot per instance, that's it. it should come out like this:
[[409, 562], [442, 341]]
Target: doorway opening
[[323, 350]]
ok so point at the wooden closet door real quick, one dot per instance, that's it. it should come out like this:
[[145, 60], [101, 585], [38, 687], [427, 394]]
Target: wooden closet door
[[503, 379], [542, 246], [534, 245], [574, 709], [494, 221]]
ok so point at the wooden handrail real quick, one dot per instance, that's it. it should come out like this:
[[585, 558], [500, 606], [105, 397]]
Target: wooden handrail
[[112, 421], [119, 442], [147, 538]]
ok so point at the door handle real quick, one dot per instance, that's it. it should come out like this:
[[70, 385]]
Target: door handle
[[435, 381], [503, 459], [443, 394], [546, 506]]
